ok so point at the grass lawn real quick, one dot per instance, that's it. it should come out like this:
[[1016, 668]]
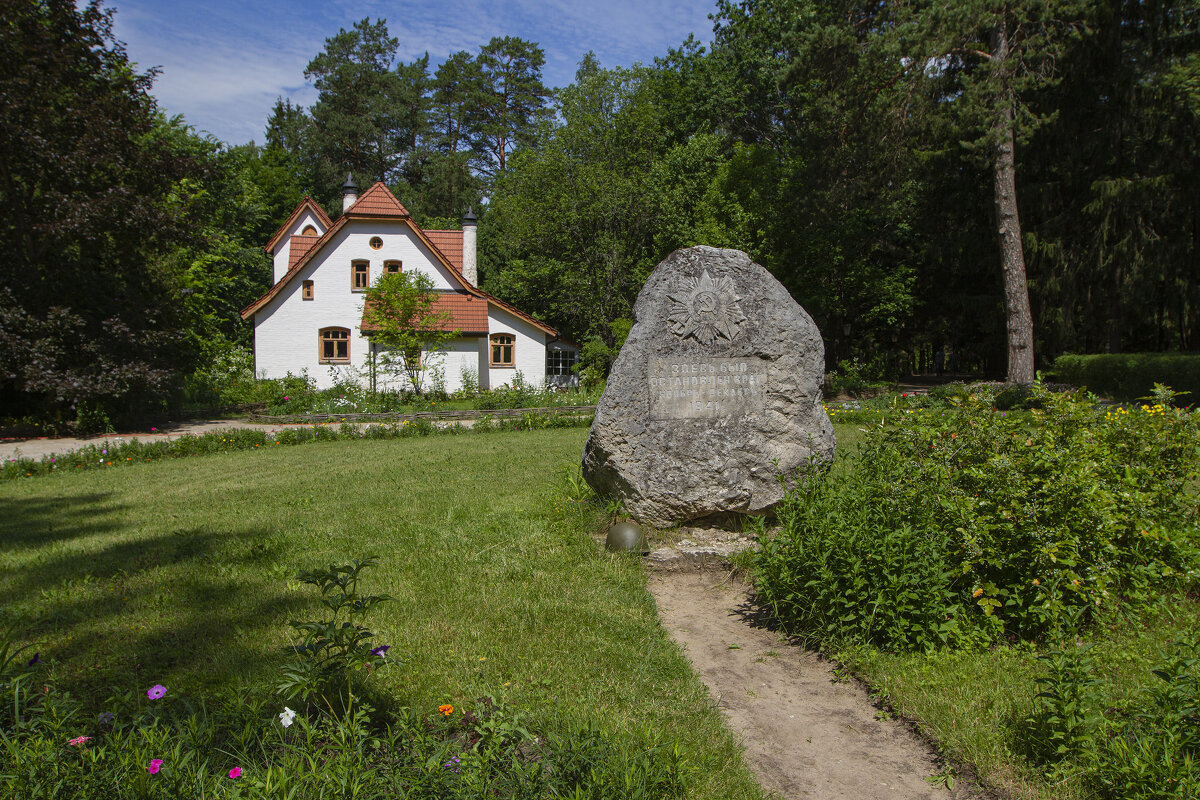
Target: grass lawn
[[182, 573], [970, 702]]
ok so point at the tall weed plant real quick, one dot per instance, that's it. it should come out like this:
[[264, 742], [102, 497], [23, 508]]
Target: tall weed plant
[[964, 526]]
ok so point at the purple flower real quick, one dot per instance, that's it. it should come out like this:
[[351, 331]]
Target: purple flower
[[452, 764], [155, 766], [35, 660], [106, 717], [381, 651], [156, 691]]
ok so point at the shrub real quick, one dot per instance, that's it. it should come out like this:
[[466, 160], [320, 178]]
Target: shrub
[[1129, 376], [962, 526]]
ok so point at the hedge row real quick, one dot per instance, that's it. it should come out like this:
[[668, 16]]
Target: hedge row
[[1129, 376], [110, 454]]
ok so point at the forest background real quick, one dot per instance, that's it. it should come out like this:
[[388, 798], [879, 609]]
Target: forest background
[[857, 150]]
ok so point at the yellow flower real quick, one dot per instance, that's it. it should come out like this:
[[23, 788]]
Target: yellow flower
[[1036, 582], [976, 593], [446, 709]]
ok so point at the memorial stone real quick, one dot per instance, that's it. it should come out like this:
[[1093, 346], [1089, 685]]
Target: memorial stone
[[715, 394]]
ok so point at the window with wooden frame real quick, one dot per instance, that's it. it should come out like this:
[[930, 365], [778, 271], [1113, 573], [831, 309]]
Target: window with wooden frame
[[360, 275], [561, 362], [306, 290], [335, 346], [391, 267], [503, 349], [375, 243], [309, 230]]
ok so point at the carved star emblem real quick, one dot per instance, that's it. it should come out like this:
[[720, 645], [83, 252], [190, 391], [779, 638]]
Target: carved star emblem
[[705, 309]]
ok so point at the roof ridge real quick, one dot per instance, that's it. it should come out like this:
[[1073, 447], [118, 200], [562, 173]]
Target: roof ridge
[[377, 193]]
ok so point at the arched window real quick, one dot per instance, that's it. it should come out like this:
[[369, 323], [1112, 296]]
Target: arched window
[[335, 346], [503, 349], [309, 230]]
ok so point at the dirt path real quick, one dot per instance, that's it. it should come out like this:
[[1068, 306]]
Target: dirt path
[[805, 735]]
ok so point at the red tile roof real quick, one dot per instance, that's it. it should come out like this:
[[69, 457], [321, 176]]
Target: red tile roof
[[450, 243], [300, 245], [377, 202], [467, 313], [307, 203]]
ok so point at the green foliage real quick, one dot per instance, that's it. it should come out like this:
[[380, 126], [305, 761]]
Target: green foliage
[[162, 744], [400, 318], [1148, 748], [854, 377], [334, 652], [1064, 714], [127, 453], [956, 528], [90, 202], [1129, 376], [1152, 751]]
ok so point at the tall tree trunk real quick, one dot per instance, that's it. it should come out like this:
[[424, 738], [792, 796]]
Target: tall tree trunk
[[1008, 221]]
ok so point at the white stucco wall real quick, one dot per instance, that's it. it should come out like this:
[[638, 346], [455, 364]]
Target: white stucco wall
[[286, 329], [456, 356], [529, 357], [280, 254]]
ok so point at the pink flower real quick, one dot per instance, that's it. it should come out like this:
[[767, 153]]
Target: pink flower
[[155, 766], [235, 773], [79, 740], [156, 691]]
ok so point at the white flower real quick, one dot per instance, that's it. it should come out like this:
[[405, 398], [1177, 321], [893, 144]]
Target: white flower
[[287, 717]]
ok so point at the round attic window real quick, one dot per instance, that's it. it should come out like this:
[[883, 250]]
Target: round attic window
[[376, 243], [309, 230]]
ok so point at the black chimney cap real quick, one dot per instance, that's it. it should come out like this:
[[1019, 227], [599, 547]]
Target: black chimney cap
[[469, 218], [349, 186]]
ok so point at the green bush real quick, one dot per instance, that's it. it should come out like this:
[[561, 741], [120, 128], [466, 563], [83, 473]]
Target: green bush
[[962, 526], [1130, 376]]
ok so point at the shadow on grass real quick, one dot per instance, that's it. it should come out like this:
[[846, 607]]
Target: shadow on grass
[[110, 605]]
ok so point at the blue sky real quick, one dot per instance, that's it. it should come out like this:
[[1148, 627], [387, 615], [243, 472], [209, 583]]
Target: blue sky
[[225, 61]]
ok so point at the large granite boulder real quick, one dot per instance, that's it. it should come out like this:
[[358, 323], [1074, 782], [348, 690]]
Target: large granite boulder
[[716, 392]]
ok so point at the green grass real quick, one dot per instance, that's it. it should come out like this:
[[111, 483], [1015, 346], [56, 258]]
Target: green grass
[[969, 702], [181, 573]]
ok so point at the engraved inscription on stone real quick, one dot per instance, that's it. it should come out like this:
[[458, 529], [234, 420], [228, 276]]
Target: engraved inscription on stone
[[702, 388]]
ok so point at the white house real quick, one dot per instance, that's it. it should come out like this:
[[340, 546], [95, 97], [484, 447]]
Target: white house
[[310, 321]]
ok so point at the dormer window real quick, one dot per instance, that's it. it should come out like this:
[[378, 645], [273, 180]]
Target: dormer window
[[309, 230], [307, 291], [391, 267], [360, 275]]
